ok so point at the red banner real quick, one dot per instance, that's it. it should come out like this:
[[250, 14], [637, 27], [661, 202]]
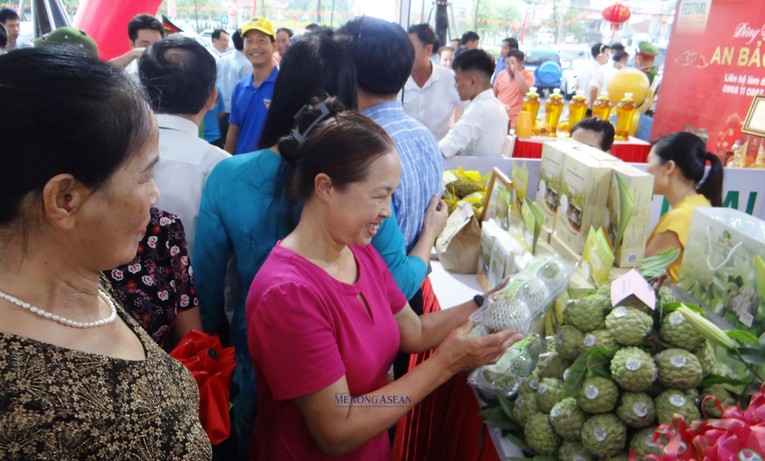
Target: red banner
[[715, 66]]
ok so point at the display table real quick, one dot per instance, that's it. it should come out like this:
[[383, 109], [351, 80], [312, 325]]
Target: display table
[[634, 151]]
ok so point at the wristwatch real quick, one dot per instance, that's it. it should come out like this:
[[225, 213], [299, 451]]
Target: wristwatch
[[478, 299]]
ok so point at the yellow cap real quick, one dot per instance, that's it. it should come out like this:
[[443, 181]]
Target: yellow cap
[[260, 24]]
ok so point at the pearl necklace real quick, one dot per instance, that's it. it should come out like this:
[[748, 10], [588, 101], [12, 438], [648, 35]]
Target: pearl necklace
[[64, 321]]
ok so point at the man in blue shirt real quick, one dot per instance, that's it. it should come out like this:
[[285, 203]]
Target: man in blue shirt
[[252, 95]]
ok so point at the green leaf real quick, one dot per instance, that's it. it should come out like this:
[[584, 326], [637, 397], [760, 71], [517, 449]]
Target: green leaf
[[752, 355], [506, 405], [544, 458], [520, 443], [495, 416], [598, 361], [714, 379], [762, 339], [743, 336], [577, 372]]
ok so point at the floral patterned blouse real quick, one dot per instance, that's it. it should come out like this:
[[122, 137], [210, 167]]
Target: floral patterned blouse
[[64, 405], [159, 282]]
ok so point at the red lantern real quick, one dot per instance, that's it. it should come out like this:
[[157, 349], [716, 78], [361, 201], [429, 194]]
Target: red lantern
[[616, 14]]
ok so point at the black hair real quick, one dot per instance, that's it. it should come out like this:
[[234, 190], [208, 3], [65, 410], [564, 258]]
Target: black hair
[[597, 49], [236, 37], [512, 42], [604, 127], [3, 37], [7, 14], [619, 55], [381, 51], [72, 114], [476, 60], [469, 36], [424, 33], [516, 53], [690, 155], [178, 74], [284, 29], [616, 46], [141, 22], [216, 33], [326, 139], [312, 27], [313, 65]]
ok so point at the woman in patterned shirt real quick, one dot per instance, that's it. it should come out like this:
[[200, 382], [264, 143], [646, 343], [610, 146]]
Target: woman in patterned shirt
[[79, 379]]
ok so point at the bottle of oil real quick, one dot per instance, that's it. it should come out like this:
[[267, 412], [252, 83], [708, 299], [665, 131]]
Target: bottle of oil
[[577, 108], [625, 110], [531, 103], [601, 108], [553, 110]]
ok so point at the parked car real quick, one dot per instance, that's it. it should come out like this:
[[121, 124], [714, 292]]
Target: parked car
[[545, 64]]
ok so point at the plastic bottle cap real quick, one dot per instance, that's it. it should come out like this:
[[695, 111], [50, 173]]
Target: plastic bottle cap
[[533, 89]]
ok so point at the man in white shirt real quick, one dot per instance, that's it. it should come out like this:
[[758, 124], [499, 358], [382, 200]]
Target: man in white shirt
[[482, 129], [592, 80], [143, 31], [232, 67], [220, 41], [179, 77], [429, 95]]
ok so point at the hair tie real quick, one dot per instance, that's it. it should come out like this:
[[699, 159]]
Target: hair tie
[[324, 113]]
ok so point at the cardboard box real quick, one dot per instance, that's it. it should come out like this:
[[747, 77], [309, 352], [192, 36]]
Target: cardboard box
[[550, 181], [565, 251], [586, 182], [640, 185]]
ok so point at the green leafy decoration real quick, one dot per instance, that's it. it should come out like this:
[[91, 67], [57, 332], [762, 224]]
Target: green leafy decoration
[[506, 405], [599, 361], [752, 355], [743, 336], [495, 416], [577, 373], [714, 379]]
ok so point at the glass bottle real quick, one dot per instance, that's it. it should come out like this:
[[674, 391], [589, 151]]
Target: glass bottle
[[625, 110], [577, 109], [601, 108], [531, 103], [553, 110]]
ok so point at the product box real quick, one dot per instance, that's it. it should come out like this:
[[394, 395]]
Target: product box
[[628, 212], [550, 181], [585, 185], [565, 251]]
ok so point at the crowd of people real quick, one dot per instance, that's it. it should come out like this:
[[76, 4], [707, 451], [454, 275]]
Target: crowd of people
[[299, 232]]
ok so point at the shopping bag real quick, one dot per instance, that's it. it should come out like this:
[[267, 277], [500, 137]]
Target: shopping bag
[[212, 367], [724, 265], [460, 242]]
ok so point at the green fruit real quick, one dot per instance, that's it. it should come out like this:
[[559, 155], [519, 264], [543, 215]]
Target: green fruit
[[722, 369], [549, 393], [678, 369], [551, 365], [573, 451], [643, 444], [540, 436], [675, 401], [597, 395], [602, 338], [628, 325], [604, 435], [706, 356], [463, 187], [588, 313], [722, 394], [569, 342], [525, 406], [567, 418], [636, 409], [678, 332], [633, 369]]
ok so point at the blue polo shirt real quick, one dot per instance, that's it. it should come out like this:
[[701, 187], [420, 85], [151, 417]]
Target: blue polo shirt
[[249, 106]]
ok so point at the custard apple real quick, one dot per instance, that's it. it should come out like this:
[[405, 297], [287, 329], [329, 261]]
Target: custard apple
[[629, 325], [573, 451], [525, 405], [706, 356], [722, 369], [678, 332], [567, 418], [597, 395], [678, 369], [549, 393], [604, 435], [636, 409], [633, 369], [643, 444], [675, 401], [570, 342], [551, 365], [589, 312], [540, 436], [602, 338], [530, 384], [722, 394]]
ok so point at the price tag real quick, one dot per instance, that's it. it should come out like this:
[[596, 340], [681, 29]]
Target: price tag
[[632, 283]]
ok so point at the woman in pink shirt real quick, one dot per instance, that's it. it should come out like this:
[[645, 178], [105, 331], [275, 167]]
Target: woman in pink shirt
[[325, 318]]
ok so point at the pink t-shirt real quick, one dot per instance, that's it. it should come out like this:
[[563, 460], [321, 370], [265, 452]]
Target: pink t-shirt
[[306, 330], [508, 92]]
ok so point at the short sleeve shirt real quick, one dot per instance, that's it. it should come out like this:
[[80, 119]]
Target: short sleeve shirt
[[249, 107], [305, 331], [509, 94]]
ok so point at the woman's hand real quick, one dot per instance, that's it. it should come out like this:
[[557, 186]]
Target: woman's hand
[[460, 352], [435, 217]]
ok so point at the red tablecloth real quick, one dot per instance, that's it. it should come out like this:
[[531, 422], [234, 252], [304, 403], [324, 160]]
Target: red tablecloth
[[634, 150], [446, 425]]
